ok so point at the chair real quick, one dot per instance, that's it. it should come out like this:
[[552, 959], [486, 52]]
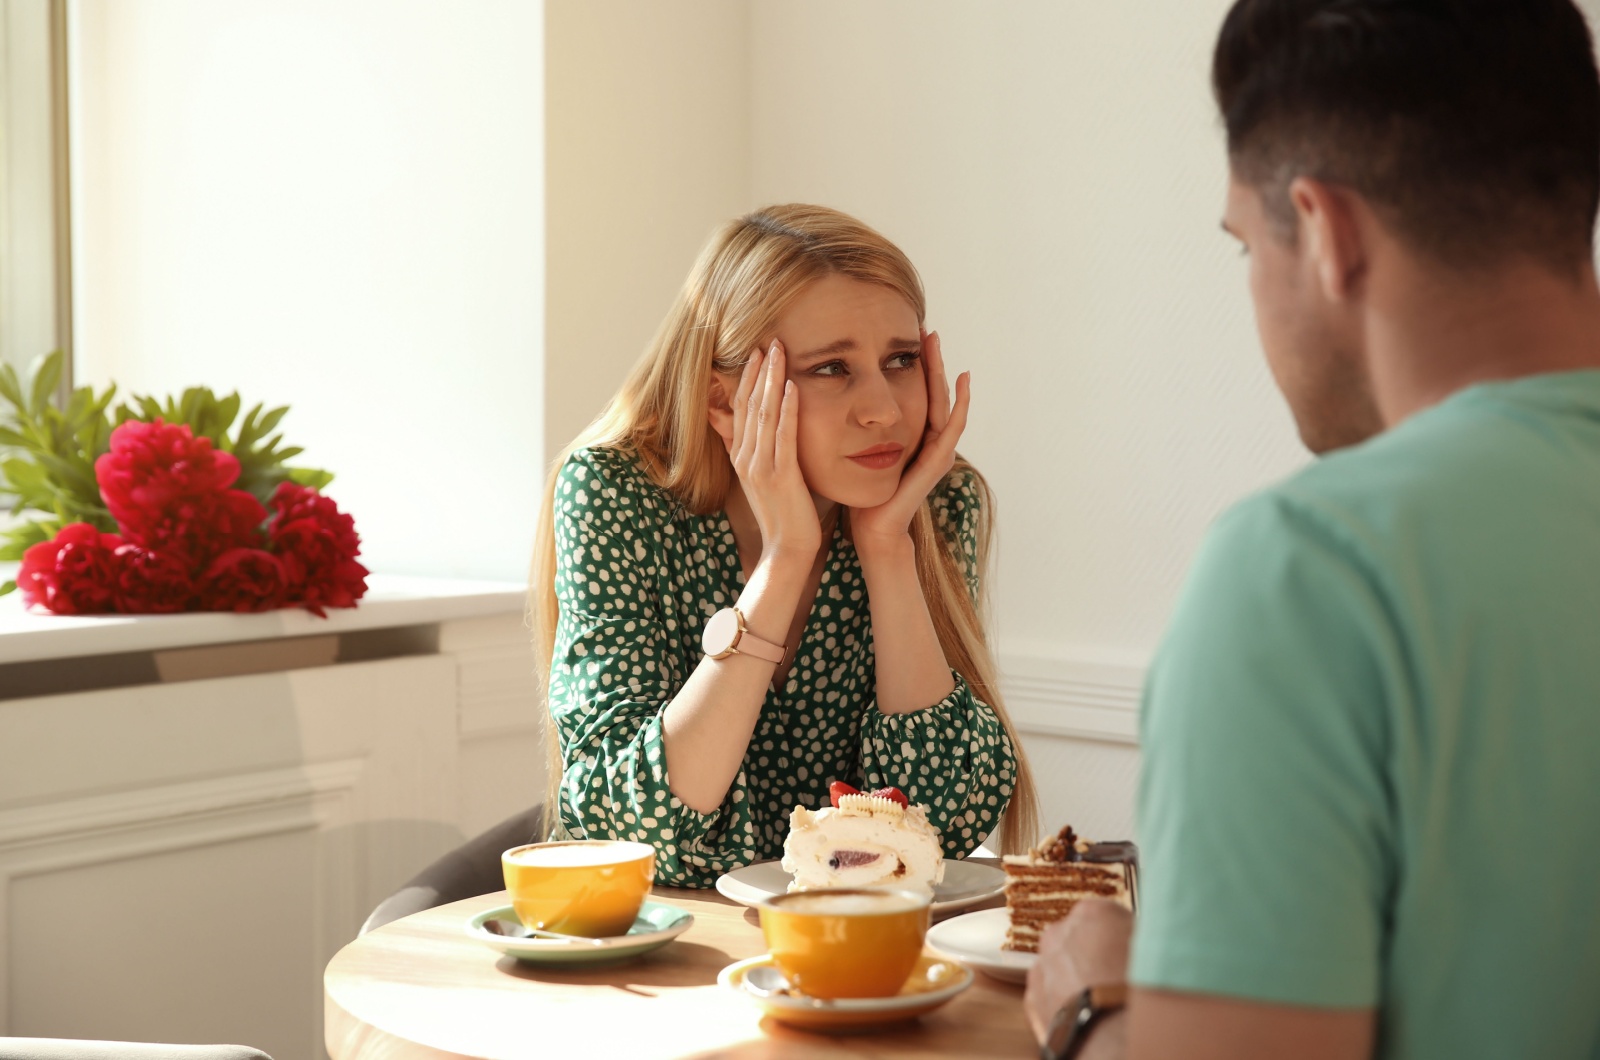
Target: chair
[[76, 1049], [471, 869]]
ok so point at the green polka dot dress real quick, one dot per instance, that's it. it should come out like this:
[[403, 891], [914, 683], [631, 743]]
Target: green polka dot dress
[[636, 579]]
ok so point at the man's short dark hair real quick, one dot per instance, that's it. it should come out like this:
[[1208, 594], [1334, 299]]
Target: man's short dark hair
[[1471, 126]]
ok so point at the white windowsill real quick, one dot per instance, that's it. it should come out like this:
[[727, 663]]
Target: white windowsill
[[392, 600]]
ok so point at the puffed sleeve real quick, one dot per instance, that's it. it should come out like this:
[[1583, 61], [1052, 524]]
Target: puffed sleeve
[[614, 671], [954, 757]]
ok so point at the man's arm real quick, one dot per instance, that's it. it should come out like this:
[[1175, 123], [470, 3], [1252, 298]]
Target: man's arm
[[1090, 948], [1168, 1025]]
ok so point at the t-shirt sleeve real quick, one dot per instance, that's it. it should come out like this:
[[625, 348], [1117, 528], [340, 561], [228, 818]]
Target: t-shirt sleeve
[[1265, 815], [611, 675]]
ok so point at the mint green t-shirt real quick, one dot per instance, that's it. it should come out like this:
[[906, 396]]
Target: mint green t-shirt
[[1372, 737]]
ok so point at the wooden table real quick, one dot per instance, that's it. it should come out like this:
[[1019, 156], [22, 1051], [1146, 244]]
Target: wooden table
[[420, 989]]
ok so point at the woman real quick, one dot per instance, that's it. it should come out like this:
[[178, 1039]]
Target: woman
[[758, 571]]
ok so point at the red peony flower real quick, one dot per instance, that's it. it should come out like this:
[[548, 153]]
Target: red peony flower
[[151, 466], [72, 574], [152, 583], [168, 491], [202, 526], [318, 545], [244, 579]]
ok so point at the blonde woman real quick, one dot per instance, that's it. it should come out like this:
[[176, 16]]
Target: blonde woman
[[759, 570]]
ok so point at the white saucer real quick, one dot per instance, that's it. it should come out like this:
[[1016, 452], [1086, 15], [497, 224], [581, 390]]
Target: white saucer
[[657, 924], [932, 982], [975, 939], [965, 884]]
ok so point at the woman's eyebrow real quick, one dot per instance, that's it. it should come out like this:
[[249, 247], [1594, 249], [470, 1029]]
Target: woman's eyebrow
[[834, 347], [847, 345]]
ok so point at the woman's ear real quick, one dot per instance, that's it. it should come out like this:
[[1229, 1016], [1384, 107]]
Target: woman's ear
[[720, 411]]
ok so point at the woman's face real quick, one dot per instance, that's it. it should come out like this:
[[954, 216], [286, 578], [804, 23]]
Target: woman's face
[[854, 352]]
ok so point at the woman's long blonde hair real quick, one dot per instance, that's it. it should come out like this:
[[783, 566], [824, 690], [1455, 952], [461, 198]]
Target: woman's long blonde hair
[[744, 279]]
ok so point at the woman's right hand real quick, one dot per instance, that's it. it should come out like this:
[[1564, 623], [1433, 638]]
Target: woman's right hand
[[765, 455]]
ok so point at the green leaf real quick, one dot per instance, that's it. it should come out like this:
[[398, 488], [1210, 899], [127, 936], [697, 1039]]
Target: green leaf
[[12, 438], [7, 588], [19, 539], [314, 478], [271, 420], [10, 386], [227, 412], [46, 375]]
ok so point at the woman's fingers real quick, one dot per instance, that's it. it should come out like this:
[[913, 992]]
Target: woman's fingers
[[957, 421], [741, 395], [939, 447], [750, 408], [771, 394], [786, 450], [938, 382]]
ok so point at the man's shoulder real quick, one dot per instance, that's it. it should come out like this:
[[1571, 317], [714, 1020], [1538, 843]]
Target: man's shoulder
[[1439, 473]]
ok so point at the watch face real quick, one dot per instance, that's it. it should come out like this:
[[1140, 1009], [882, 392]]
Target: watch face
[[721, 632]]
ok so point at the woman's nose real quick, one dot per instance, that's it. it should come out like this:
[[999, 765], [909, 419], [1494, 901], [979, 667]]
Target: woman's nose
[[875, 404]]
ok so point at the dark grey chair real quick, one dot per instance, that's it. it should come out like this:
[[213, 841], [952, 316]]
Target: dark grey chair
[[76, 1049], [471, 869]]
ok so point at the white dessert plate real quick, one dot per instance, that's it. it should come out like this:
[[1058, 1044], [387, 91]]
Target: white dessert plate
[[965, 884], [975, 939]]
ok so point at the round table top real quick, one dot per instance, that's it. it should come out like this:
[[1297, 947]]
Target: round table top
[[421, 989]]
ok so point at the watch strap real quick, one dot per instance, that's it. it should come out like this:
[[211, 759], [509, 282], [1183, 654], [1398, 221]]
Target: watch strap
[[752, 645], [1072, 1024], [726, 634]]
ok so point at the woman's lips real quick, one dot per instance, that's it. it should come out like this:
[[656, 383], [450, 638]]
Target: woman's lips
[[879, 457]]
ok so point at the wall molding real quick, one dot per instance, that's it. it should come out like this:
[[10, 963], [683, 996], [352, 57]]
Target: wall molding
[[98, 829], [1082, 695], [498, 694]]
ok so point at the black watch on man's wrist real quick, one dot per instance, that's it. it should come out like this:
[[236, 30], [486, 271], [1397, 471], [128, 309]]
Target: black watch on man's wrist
[[1071, 1025]]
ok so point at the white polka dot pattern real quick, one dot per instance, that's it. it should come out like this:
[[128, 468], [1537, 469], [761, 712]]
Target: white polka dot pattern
[[636, 578]]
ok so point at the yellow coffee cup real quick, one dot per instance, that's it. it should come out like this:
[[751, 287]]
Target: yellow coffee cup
[[591, 887], [837, 942]]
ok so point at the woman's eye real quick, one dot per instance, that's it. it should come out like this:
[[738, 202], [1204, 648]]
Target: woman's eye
[[908, 359], [832, 368]]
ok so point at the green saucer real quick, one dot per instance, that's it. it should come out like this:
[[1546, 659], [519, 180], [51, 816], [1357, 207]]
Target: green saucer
[[656, 925]]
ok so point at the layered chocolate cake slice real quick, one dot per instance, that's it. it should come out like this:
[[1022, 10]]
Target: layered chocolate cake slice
[[1044, 884]]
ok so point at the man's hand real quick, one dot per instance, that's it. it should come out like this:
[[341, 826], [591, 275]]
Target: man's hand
[[1088, 948]]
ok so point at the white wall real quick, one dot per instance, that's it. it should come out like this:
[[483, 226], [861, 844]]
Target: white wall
[[1056, 170], [336, 205], [647, 151]]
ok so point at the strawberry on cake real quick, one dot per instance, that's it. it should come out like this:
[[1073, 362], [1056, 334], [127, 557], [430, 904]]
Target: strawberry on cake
[[875, 839]]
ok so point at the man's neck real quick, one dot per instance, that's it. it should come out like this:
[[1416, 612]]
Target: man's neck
[[1434, 334]]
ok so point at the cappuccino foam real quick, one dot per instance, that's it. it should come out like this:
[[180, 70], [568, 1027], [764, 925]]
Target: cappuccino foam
[[823, 903], [580, 855]]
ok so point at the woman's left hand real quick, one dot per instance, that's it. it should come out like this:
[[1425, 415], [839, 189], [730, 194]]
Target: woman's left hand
[[890, 522]]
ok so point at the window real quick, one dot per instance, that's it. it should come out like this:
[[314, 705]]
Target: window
[[35, 265]]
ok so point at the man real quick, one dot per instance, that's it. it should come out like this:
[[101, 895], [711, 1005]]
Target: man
[[1370, 810]]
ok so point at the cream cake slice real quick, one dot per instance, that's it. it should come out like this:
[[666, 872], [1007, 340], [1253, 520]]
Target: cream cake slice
[[1044, 884], [863, 840]]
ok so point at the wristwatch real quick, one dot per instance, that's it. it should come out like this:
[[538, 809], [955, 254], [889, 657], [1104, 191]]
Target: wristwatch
[[726, 634], [1072, 1023]]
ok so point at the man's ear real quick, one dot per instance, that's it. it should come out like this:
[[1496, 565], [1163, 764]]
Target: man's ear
[[720, 410], [1331, 230]]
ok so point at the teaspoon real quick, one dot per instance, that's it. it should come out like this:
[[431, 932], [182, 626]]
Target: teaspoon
[[515, 929]]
